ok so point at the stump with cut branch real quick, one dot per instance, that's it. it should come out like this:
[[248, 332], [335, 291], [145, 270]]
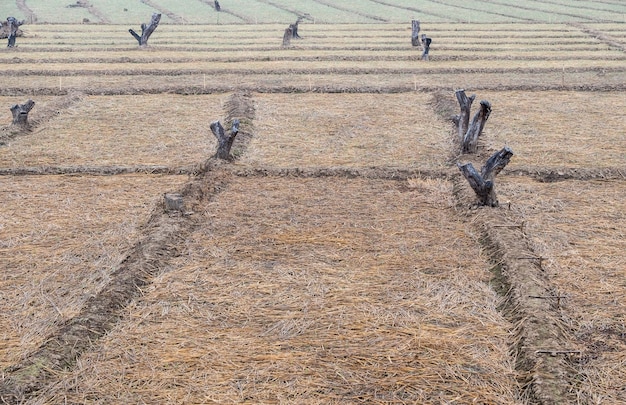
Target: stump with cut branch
[[483, 183], [294, 28], [146, 30], [426, 46], [475, 129], [12, 30], [224, 141], [470, 132], [20, 113], [415, 32]]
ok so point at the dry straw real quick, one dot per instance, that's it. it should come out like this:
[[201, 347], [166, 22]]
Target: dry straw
[[577, 228], [347, 130], [120, 130], [570, 129], [312, 291], [61, 237]]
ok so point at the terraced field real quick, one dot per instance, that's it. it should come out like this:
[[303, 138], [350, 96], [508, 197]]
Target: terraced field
[[340, 257]]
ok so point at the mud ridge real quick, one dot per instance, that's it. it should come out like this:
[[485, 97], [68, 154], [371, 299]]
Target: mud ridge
[[164, 238], [562, 174], [95, 170], [379, 173]]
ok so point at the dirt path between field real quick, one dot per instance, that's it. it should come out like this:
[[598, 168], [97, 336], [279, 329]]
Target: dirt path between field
[[93, 10], [349, 10]]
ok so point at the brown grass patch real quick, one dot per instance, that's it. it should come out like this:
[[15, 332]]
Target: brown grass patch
[[61, 237], [312, 291]]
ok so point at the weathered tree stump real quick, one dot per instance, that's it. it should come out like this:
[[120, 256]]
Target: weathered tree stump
[[415, 32], [20, 113], [294, 28], [475, 129], [173, 202], [217, 6], [225, 142], [146, 30], [12, 27], [462, 120], [483, 183], [287, 36], [426, 45]]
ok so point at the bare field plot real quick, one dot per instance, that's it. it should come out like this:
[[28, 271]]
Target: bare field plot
[[161, 130], [60, 239], [559, 129], [347, 130], [578, 227], [312, 291]]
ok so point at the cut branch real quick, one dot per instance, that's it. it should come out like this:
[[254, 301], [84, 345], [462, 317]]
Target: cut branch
[[20, 113], [225, 142], [470, 139], [483, 183], [146, 30]]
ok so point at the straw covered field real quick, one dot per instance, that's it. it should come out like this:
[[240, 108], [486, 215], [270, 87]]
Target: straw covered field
[[340, 256]]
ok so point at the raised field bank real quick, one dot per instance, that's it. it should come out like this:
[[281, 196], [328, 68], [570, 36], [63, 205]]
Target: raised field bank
[[313, 202]]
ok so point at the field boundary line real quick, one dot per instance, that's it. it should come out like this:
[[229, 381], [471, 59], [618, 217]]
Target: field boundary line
[[600, 36], [95, 170]]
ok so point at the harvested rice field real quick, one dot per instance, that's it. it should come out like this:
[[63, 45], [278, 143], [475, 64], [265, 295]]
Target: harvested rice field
[[346, 130], [62, 238], [339, 291], [339, 256]]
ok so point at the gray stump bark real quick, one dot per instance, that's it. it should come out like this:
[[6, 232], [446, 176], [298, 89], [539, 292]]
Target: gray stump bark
[[225, 142], [483, 183], [146, 30], [20, 113]]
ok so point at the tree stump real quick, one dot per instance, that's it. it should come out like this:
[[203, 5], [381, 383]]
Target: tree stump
[[225, 142], [287, 36], [426, 44], [12, 26], [146, 30], [483, 183], [294, 28], [20, 113], [475, 129], [173, 202], [217, 6], [415, 31], [462, 120]]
